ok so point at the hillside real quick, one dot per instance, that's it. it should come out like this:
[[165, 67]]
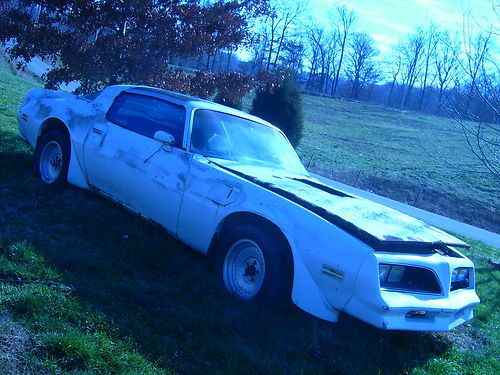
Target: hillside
[[407, 156]]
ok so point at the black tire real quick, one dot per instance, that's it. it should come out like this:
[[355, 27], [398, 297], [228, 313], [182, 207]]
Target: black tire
[[52, 139], [276, 286]]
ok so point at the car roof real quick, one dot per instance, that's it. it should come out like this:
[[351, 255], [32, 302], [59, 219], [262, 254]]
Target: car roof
[[192, 102], [162, 92]]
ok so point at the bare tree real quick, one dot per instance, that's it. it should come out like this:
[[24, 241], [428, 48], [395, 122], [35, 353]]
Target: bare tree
[[293, 56], [478, 119], [360, 68], [482, 137], [430, 50], [394, 65], [344, 20], [259, 45], [316, 36], [446, 64], [281, 17], [313, 53], [476, 48], [332, 50], [412, 52]]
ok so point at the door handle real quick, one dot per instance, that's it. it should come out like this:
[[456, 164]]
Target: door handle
[[97, 131]]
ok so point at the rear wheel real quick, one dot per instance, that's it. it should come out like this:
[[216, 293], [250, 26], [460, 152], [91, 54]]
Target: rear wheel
[[254, 265], [52, 158]]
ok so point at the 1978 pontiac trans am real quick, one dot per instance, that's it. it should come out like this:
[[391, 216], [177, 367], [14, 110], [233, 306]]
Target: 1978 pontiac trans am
[[231, 186]]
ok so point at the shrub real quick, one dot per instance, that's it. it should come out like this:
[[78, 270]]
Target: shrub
[[281, 106], [203, 85], [232, 87], [175, 80]]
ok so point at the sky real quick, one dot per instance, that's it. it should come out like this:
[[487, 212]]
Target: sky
[[388, 21]]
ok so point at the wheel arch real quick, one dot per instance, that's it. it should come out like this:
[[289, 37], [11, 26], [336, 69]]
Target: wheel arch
[[244, 217], [76, 175], [53, 123]]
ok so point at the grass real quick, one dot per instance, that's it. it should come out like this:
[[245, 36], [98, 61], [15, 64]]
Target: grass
[[407, 156], [134, 299], [46, 329]]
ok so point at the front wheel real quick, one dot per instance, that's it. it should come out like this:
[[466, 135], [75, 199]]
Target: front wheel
[[52, 158], [254, 264]]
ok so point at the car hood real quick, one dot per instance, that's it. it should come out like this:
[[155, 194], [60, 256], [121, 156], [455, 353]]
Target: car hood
[[381, 227]]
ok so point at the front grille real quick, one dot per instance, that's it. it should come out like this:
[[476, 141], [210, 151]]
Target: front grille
[[413, 279]]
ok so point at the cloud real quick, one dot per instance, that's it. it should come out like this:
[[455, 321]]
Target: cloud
[[384, 41]]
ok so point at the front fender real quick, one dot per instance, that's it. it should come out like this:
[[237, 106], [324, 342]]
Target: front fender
[[306, 294]]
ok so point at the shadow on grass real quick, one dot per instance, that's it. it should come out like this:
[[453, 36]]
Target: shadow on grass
[[100, 246]]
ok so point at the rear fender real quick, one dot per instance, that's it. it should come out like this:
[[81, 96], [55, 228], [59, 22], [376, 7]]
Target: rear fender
[[76, 176]]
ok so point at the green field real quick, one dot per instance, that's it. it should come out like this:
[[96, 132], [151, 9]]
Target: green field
[[407, 156], [132, 299]]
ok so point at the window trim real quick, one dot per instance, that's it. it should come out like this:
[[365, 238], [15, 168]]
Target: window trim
[[196, 109], [124, 93]]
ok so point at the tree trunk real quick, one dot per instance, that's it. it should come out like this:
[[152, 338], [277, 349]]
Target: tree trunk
[[215, 58], [271, 45], [280, 44], [390, 92], [229, 55], [337, 75], [424, 84]]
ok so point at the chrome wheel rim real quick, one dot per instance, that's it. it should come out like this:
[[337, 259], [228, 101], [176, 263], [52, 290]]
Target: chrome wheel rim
[[244, 269], [51, 162]]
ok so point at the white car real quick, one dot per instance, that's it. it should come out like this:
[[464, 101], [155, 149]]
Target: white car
[[230, 185]]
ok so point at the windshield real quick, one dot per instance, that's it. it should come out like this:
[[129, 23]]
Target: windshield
[[225, 136]]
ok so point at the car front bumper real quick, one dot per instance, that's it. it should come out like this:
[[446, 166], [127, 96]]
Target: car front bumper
[[413, 312]]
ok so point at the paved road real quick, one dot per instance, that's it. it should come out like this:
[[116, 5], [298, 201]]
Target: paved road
[[39, 68], [439, 221]]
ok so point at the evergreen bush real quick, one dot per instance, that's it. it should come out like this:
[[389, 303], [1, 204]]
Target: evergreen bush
[[282, 107]]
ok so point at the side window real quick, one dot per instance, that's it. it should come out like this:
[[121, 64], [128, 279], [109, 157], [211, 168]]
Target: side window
[[147, 115], [209, 136]]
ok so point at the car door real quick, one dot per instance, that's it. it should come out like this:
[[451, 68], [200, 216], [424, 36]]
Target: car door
[[125, 162], [208, 189]]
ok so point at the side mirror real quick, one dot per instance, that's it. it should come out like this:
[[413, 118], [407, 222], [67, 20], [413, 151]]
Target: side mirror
[[166, 138]]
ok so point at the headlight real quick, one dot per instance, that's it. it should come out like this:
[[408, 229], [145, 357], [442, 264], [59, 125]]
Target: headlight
[[408, 278], [460, 278], [459, 275]]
